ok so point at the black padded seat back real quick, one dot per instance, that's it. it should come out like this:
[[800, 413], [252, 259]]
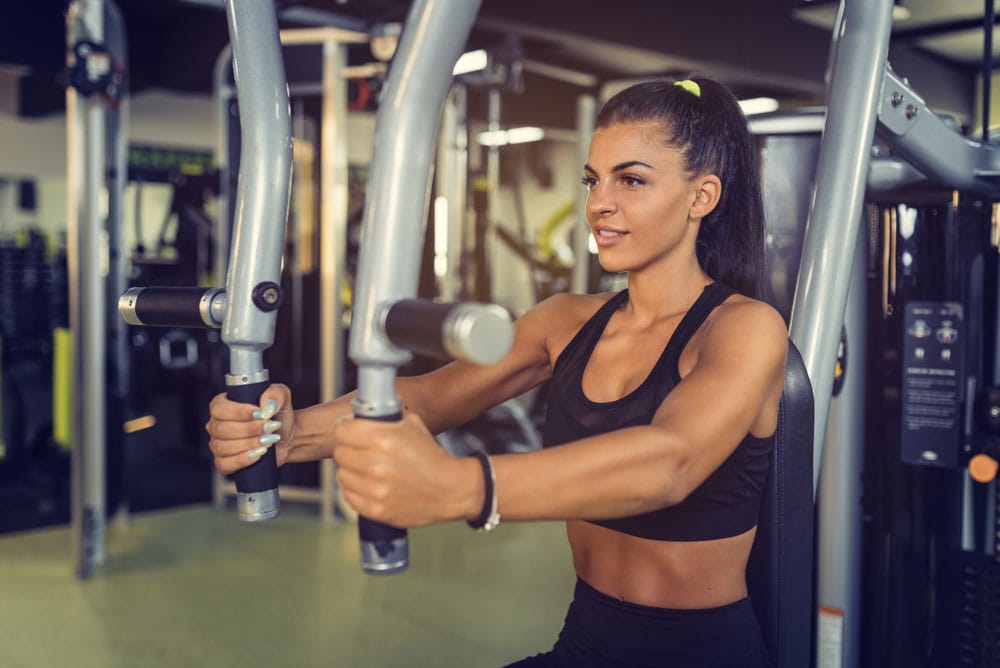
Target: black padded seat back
[[780, 571]]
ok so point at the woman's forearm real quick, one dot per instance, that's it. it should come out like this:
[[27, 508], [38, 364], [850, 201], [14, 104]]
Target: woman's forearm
[[312, 439], [621, 473]]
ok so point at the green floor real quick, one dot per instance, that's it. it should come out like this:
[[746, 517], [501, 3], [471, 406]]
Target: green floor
[[194, 587]]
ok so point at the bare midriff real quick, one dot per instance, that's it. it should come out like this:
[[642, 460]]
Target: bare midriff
[[663, 574]]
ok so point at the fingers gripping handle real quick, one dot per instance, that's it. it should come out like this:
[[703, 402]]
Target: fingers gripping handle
[[384, 549], [256, 485]]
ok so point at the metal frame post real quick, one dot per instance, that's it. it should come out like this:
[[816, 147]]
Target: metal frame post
[[116, 283], [586, 115], [259, 229], [838, 543], [85, 151], [492, 250], [865, 96], [834, 218], [334, 187], [395, 216], [452, 181]]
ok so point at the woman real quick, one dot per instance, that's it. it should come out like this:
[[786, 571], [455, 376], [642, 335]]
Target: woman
[[663, 400]]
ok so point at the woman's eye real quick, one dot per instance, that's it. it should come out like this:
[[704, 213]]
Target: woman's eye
[[631, 181], [588, 182]]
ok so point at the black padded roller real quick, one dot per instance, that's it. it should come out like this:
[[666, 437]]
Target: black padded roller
[[468, 331], [416, 325], [166, 307]]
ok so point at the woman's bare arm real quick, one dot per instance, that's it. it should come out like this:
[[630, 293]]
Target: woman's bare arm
[[732, 389]]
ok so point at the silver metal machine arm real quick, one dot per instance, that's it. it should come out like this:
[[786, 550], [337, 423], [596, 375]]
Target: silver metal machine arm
[[247, 309], [395, 217]]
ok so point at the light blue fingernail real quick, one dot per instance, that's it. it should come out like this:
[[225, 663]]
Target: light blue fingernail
[[269, 439], [267, 412], [272, 426], [256, 453]]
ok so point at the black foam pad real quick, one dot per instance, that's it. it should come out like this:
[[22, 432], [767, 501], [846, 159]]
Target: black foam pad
[[780, 571]]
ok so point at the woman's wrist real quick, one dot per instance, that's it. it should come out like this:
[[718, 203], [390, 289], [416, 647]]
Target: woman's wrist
[[304, 441], [488, 516], [473, 488]]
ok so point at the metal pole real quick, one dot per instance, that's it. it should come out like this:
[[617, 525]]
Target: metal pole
[[259, 232], [224, 94], [832, 229], [492, 250], [395, 216], [458, 234], [449, 207], [441, 209], [586, 114], [838, 547], [117, 331], [334, 188], [118, 148], [85, 121]]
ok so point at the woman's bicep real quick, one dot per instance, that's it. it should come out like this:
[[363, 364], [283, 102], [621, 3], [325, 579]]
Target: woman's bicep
[[733, 390]]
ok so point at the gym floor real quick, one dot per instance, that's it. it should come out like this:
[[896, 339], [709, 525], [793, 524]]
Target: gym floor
[[193, 586]]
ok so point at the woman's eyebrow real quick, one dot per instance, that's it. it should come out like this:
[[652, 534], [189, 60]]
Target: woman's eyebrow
[[620, 166]]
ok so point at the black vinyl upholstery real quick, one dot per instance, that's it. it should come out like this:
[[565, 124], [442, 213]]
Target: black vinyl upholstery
[[780, 571]]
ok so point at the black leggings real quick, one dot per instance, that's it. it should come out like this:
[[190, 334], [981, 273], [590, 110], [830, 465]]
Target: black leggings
[[603, 632]]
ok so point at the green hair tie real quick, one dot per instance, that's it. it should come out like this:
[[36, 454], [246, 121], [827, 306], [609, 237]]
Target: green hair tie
[[690, 86]]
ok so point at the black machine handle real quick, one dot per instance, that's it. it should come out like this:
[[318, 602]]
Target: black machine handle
[[262, 475], [384, 548]]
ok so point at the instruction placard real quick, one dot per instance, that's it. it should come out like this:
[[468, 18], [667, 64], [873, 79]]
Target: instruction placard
[[932, 383]]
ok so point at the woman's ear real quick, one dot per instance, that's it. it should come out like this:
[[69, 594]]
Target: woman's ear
[[707, 190]]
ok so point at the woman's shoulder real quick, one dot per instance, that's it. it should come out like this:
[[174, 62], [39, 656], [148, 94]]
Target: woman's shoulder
[[742, 336], [740, 319], [558, 317], [569, 304]]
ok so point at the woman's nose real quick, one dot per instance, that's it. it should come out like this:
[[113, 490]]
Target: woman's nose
[[600, 200]]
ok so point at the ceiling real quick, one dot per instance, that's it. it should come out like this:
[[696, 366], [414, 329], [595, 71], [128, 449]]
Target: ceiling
[[773, 47]]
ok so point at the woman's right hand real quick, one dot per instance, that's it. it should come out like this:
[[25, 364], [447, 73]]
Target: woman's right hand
[[240, 433]]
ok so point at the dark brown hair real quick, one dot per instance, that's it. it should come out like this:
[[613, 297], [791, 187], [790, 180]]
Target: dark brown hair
[[710, 131]]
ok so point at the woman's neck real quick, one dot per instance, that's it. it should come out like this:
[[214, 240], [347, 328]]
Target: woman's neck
[[654, 294]]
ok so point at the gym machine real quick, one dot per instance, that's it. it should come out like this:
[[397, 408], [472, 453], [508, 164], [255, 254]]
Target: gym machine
[[387, 321], [867, 99], [316, 68], [246, 309]]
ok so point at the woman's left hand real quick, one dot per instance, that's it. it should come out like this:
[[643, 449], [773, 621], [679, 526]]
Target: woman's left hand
[[398, 474]]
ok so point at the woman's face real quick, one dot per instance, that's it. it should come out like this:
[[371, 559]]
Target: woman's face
[[639, 198]]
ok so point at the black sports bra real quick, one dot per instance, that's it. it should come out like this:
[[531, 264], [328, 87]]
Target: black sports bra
[[727, 502]]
